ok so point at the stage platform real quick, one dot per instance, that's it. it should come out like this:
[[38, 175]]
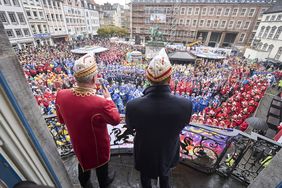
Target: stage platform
[[127, 177]]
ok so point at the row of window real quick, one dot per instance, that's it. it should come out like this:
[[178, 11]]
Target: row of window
[[75, 20], [82, 4], [12, 17], [74, 11], [205, 11], [34, 14], [94, 22], [12, 33], [210, 23], [270, 32], [50, 3], [184, 33], [190, 34], [269, 48], [55, 17], [92, 13], [10, 2], [31, 2], [77, 30], [74, 3], [265, 47], [54, 4], [216, 23], [274, 18], [37, 29]]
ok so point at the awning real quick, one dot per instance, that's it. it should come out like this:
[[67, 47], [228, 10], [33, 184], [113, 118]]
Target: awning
[[89, 49], [181, 56]]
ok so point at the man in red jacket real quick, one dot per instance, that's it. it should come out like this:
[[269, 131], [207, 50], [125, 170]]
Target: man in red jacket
[[86, 116]]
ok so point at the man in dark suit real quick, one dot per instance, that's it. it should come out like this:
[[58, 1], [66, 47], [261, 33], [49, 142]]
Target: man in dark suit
[[158, 118]]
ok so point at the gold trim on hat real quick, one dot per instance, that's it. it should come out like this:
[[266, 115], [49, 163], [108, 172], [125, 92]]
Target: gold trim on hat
[[159, 79], [86, 72]]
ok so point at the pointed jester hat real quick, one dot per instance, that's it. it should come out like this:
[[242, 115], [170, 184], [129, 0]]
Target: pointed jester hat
[[159, 68]]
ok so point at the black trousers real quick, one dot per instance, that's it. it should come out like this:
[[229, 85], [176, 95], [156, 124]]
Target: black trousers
[[146, 181], [101, 172]]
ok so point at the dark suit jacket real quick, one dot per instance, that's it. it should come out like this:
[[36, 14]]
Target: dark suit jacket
[[158, 118]]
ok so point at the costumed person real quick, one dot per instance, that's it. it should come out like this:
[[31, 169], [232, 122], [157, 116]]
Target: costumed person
[[86, 116], [158, 118]]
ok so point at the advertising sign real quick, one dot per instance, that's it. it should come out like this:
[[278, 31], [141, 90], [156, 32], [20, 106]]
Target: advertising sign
[[158, 18]]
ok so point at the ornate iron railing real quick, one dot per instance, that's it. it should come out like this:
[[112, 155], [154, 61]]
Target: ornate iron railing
[[247, 155], [228, 152]]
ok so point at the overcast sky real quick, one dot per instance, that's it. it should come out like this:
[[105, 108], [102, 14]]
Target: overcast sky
[[122, 2]]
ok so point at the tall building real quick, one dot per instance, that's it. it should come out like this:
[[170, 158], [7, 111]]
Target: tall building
[[15, 22], [106, 14], [37, 21], [220, 23], [92, 18], [267, 44], [55, 19], [125, 19], [111, 14], [75, 18], [117, 16]]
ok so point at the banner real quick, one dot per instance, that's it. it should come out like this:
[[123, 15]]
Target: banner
[[158, 18]]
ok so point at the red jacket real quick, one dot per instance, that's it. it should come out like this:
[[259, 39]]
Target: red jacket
[[86, 119]]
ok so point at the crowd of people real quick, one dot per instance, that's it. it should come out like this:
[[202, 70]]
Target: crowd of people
[[223, 92]]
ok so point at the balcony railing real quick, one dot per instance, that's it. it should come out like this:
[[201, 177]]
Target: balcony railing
[[228, 152]]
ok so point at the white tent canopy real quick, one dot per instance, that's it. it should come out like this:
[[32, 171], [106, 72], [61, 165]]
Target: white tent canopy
[[89, 49]]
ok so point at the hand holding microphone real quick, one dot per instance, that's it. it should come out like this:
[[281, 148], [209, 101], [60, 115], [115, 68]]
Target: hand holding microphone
[[106, 92]]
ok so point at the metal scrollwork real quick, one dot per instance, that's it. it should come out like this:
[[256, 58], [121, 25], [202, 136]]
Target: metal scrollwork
[[247, 157]]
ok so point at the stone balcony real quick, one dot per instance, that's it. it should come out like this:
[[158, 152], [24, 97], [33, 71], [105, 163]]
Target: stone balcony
[[127, 177]]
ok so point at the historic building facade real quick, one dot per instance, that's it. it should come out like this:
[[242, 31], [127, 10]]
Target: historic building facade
[[92, 18], [75, 18], [38, 21], [221, 23], [111, 14], [55, 19], [267, 43], [15, 22]]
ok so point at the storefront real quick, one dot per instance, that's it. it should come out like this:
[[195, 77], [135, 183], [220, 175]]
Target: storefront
[[42, 39]]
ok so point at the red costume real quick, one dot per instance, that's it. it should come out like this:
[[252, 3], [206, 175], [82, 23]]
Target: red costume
[[86, 118]]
